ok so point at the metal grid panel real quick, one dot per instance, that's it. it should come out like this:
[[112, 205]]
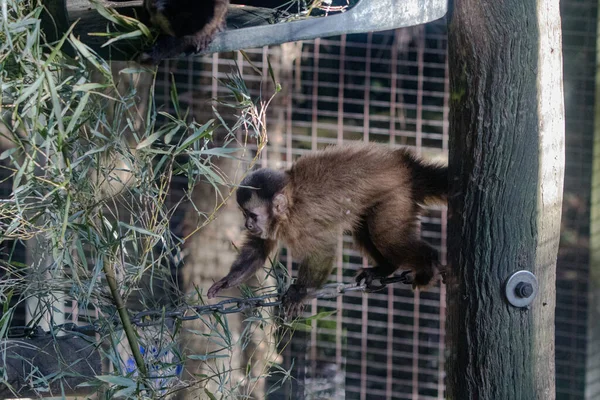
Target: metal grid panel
[[579, 20]]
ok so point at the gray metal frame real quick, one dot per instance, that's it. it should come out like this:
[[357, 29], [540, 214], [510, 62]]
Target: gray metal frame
[[366, 16]]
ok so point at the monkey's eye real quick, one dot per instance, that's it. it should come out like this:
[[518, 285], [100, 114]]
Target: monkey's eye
[[252, 215]]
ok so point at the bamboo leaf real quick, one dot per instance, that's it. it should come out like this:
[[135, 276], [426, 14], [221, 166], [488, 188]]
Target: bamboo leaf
[[171, 133], [125, 392], [149, 140], [89, 56], [247, 58], [124, 36], [174, 97], [200, 133], [7, 153], [34, 88], [56, 106], [209, 394], [133, 70], [56, 50], [77, 113], [138, 229], [117, 380], [206, 357], [86, 87]]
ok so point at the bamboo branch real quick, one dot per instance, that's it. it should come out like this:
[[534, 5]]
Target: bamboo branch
[[127, 326]]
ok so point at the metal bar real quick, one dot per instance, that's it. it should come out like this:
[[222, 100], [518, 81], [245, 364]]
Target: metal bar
[[390, 344], [340, 246], [366, 16], [367, 91], [315, 96], [363, 342], [420, 56], [393, 87], [339, 304], [341, 81], [415, 355], [314, 135]]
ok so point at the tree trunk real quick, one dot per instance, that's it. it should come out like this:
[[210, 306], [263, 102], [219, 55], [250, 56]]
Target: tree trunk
[[506, 167]]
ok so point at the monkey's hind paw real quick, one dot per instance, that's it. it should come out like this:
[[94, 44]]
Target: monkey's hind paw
[[370, 276], [427, 277], [292, 301]]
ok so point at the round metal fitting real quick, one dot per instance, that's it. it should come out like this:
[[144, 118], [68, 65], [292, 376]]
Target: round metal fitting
[[521, 288]]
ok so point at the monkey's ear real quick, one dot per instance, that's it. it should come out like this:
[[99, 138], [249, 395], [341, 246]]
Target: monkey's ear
[[279, 204]]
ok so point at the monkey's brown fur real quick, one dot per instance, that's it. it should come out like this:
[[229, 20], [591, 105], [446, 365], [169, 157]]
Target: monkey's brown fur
[[370, 190], [187, 26]]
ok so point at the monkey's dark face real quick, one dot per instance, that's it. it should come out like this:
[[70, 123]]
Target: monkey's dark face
[[257, 216], [262, 201]]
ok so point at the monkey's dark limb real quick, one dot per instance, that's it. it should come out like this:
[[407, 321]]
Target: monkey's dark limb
[[313, 272], [420, 257], [253, 256], [165, 47], [188, 27], [170, 47], [429, 181]]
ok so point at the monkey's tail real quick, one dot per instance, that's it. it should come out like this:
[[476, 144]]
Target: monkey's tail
[[430, 180]]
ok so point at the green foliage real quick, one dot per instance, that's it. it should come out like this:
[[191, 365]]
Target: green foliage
[[91, 168]]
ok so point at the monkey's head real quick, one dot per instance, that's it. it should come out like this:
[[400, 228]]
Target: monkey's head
[[262, 201]]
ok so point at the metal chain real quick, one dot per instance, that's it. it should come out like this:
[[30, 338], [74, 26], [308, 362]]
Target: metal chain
[[229, 306]]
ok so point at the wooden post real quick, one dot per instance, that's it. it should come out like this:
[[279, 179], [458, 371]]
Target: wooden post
[[506, 179], [592, 367]]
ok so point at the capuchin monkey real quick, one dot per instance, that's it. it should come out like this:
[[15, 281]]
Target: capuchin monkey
[[374, 192], [186, 26]]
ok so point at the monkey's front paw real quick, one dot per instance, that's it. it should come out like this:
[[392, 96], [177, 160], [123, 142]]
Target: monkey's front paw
[[291, 301], [217, 287]]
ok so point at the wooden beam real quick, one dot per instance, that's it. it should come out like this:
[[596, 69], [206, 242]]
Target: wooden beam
[[506, 167]]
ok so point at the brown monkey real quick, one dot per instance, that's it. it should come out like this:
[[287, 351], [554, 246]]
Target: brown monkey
[[375, 192], [186, 26]]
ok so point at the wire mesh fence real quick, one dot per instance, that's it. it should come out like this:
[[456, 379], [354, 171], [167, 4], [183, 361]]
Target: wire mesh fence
[[392, 87], [388, 87]]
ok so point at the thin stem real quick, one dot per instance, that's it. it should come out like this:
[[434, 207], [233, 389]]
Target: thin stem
[[127, 326]]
